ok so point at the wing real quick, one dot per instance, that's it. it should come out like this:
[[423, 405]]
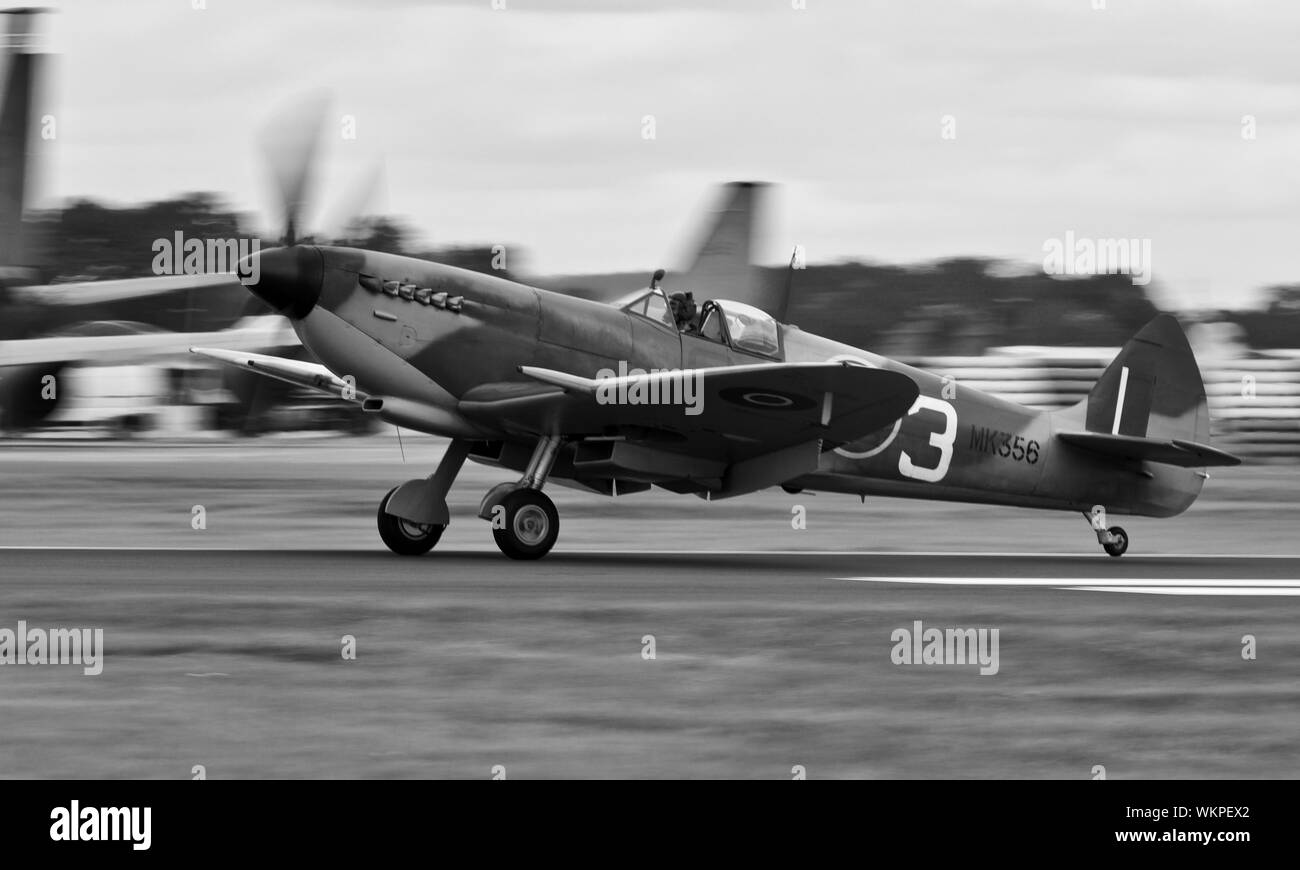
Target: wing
[[303, 374], [736, 428], [76, 293], [252, 332]]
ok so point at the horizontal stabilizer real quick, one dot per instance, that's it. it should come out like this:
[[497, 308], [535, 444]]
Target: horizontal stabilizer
[[1173, 451]]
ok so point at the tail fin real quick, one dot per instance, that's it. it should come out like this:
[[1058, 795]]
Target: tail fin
[[1150, 403], [723, 266], [1153, 388], [15, 128]]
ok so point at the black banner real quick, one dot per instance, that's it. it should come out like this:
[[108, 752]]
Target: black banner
[[339, 818]]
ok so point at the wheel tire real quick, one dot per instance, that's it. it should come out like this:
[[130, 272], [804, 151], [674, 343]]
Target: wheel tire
[[1120, 546], [531, 525], [404, 537]]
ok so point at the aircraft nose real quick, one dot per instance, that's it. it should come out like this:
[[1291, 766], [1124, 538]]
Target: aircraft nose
[[287, 279]]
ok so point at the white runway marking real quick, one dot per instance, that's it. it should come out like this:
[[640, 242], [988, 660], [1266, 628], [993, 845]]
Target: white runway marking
[[1134, 585], [1238, 589]]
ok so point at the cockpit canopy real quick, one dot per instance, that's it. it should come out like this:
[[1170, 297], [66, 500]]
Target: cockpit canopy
[[749, 328], [745, 327]]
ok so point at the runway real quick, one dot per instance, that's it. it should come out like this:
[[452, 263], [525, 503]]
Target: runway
[[762, 662], [772, 645]]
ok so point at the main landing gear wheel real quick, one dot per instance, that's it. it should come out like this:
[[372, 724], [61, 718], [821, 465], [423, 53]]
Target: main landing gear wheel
[[1119, 542], [530, 524], [404, 537]]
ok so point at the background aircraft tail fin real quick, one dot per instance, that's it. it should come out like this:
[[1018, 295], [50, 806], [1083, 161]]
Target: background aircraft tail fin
[[1153, 388], [722, 266], [15, 131]]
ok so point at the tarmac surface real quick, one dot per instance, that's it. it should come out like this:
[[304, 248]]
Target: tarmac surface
[[773, 647]]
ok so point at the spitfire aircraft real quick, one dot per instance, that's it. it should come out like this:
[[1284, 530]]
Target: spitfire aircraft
[[713, 400]]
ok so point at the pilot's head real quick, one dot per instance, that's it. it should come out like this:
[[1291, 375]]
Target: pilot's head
[[683, 308]]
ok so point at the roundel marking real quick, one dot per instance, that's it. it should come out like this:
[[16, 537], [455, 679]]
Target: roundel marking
[[766, 399]]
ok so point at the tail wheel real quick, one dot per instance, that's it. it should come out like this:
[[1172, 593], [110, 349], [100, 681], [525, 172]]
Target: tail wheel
[[529, 525], [1119, 542], [404, 537]]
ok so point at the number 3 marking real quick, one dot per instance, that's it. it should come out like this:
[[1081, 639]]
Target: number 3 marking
[[943, 440]]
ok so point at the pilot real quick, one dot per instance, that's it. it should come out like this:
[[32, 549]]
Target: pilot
[[685, 314]]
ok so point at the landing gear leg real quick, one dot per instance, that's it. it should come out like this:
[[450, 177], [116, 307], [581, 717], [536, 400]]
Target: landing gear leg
[[412, 516], [525, 523], [1113, 540]]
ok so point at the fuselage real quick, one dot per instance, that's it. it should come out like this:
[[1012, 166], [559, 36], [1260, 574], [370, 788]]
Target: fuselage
[[956, 443]]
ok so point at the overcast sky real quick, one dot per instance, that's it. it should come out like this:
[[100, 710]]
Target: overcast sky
[[524, 126]]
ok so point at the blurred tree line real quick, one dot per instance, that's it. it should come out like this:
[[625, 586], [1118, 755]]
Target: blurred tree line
[[950, 307], [962, 306], [1277, 325], [88, 241]]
